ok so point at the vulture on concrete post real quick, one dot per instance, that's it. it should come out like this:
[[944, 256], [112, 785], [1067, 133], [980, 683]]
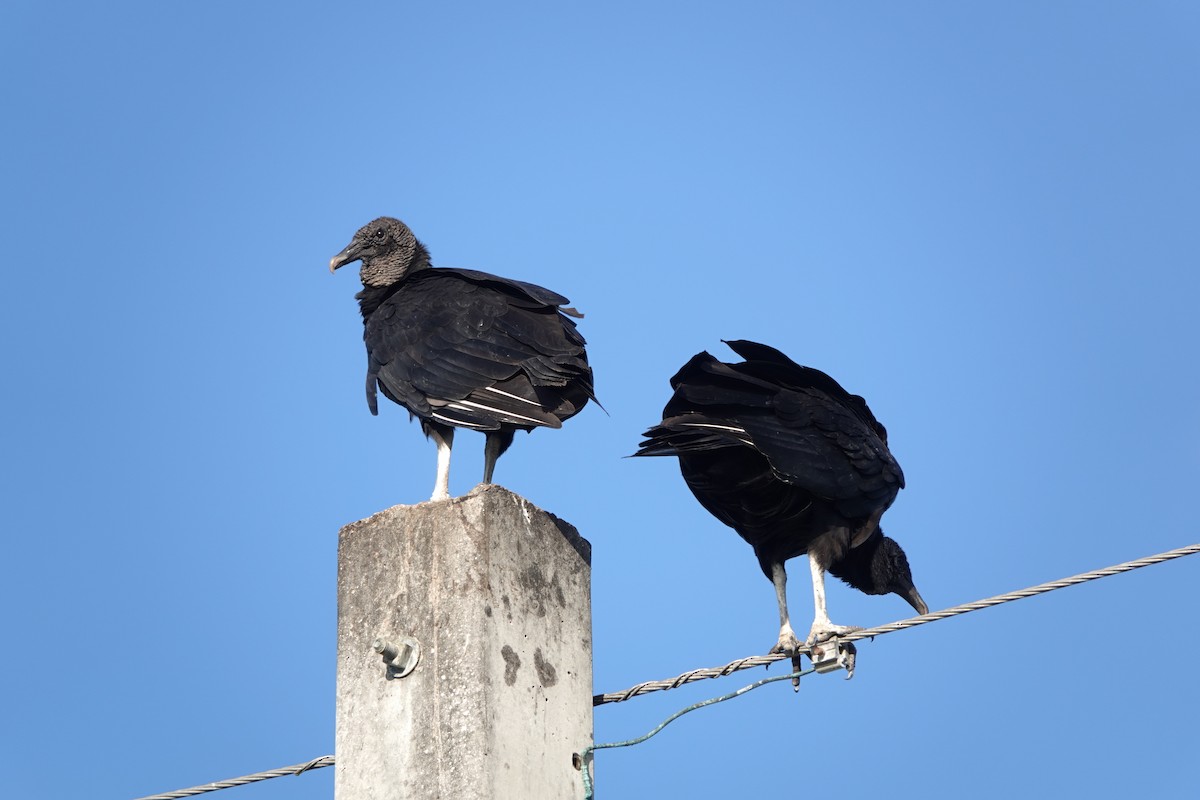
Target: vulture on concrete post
[[463, 349]]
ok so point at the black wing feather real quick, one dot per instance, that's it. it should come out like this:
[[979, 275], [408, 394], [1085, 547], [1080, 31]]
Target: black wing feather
[[814, 435], [477, 350]]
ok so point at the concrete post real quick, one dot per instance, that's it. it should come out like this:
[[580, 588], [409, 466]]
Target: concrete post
[[497, 593]]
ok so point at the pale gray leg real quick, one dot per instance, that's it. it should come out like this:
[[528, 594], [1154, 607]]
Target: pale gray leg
[[787, 637], [822, 627], [444, 439]]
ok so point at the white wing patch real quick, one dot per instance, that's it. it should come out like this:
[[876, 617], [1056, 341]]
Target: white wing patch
[[732, 428], [494, 390], [740, 433], [501, 411], [458, 422]]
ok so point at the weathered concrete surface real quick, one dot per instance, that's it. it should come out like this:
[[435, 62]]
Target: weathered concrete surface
[[498, 593]]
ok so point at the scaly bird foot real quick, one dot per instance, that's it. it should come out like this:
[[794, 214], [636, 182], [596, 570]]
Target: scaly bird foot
[[822, 631], [788, 644]]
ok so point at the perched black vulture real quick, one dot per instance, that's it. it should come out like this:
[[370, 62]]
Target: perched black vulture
[[795, 464], [463, 349]]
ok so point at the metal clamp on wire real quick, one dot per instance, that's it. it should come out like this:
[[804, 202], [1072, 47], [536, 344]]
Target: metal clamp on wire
[[400, 659], [834, 654]]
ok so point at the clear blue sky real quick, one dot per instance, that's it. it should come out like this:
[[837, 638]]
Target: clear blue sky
[[981, 217]]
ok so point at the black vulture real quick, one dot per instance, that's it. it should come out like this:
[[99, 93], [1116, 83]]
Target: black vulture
[[463, 349], [795, 464]]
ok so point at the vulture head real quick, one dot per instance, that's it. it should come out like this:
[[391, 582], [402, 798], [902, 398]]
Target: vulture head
[[388, 251], [879, 566]]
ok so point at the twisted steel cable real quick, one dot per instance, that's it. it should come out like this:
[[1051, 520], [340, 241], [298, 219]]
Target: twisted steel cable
[[743, 663], [912, 622], [295, 769]]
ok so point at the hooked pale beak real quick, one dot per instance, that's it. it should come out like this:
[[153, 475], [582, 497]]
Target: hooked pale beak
[[914, 599], [343, 258]]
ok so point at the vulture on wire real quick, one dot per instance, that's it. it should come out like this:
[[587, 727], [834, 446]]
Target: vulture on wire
[[463, 349], [795, 464]]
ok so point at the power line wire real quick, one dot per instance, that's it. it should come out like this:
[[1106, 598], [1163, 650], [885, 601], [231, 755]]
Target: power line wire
[[912, 622], [295, 769], [734, 666], [588, 791]]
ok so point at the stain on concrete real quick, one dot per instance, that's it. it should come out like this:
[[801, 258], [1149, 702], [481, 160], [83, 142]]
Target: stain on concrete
[[512, 663], [532, 578], [546, 672], [541, 590], [534, 582]]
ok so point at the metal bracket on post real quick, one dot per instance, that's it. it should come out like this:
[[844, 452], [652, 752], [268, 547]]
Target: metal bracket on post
[[400, 659], [834, 654]]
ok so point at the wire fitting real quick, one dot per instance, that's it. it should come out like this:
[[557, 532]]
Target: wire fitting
[[833, 654], [400, 658]]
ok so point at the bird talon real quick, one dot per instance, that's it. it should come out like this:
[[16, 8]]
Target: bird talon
[[824, 633], [788, 645]]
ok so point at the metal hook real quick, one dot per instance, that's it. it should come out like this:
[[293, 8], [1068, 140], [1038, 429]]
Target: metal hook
[[400, 659]]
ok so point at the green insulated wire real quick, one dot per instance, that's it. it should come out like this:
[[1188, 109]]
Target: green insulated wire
[[588, 791]]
